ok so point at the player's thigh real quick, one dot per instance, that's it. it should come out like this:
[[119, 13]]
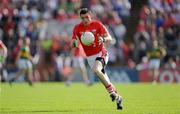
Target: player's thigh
[[154, 63], [24, 64], [97, 66], [78, 62]]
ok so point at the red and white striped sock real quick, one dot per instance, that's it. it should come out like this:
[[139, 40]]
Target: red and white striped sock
[[110, 88]]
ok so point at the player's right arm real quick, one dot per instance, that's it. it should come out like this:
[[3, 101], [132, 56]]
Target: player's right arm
[[75, 41], [104, 36]]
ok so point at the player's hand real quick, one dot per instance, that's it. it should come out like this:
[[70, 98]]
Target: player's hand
[[100, 39], [74, 43]]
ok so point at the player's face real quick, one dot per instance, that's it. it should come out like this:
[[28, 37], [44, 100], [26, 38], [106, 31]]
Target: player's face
[[86, 18]]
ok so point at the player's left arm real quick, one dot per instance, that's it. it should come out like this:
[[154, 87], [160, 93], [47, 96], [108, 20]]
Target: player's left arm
[[105, 36]]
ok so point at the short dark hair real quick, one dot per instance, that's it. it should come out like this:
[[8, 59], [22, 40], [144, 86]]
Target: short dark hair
[[84, 11]]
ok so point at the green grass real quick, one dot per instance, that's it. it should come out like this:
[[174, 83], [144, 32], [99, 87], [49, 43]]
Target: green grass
[[56, 98]]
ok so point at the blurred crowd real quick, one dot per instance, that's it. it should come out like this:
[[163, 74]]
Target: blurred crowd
[[49, 23], [159, 22]]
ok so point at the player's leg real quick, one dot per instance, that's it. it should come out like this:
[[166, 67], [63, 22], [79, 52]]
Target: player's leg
[[29, 77], [70, 78], [28, 67], [29, 73], [18, 74], [21, 70], [83, 70], [99, 70], [69, 75], [154, 68], [84, 75]]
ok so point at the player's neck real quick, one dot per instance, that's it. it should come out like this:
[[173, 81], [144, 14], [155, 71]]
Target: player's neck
[[86, 24]]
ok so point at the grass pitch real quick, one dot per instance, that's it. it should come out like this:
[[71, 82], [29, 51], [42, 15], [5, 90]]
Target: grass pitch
[[56, 98]]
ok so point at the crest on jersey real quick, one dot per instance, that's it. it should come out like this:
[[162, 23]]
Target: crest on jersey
[[94, 31]]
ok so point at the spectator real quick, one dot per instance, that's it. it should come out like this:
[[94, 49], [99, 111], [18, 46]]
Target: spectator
[[24, 63]]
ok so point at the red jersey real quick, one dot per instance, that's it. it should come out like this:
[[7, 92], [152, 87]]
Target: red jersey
[[97, 28]]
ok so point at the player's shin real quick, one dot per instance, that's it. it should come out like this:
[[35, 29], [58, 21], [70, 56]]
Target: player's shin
[[110, 87], [101, 77]]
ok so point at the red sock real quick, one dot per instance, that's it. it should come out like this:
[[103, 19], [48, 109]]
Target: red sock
[[110, 88]]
